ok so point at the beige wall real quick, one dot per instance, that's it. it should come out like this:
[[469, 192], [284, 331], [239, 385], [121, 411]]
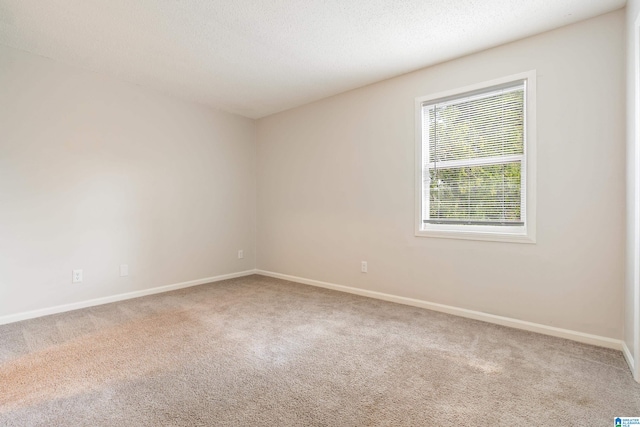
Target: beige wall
[[336, 186], [95, 173], [631, 293]]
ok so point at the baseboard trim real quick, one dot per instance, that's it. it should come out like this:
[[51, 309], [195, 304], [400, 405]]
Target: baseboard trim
[[463, 312], [628, 357], [11, 318]]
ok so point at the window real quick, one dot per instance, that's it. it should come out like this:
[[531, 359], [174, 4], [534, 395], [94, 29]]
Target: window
[[475, 171]]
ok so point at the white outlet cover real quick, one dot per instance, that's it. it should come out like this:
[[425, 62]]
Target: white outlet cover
[[124, 270], [240, 254], [77, 276], [364, 266]]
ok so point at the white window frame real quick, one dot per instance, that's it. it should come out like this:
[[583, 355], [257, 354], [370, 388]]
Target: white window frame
[[516, 234]]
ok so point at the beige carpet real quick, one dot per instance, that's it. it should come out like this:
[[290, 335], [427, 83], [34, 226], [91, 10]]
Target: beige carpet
[[265, 352]]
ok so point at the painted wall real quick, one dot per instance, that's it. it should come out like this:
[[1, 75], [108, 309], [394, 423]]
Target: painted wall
[[632, 297], [336, 186], [95, 173]]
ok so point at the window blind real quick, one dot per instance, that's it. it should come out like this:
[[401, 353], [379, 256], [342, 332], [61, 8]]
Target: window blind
[[473, 149]]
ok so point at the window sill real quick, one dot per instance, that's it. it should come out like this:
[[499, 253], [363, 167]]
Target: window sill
[[478, 235]]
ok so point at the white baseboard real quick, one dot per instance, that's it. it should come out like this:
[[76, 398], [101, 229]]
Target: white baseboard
[[471, 314], [463, 312], [627, 356], [119, 297]]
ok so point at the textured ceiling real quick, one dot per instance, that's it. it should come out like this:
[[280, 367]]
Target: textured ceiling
[[258, 57]]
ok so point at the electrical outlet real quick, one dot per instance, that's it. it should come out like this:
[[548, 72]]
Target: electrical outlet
[[363, 267], [124, 270], [77, 276], [240, 254]]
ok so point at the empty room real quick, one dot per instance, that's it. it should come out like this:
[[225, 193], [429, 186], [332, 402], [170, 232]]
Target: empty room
[[319, 213]]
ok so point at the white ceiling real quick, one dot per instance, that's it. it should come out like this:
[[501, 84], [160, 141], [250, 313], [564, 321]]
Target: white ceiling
[[258, 57]]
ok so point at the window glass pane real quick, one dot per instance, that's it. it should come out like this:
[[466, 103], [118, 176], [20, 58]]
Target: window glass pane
[[488, 194]]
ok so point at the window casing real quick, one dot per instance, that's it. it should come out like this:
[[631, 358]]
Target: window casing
[[475, 161]]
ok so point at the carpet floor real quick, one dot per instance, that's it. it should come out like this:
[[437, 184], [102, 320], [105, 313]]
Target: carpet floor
[[257, 351]]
